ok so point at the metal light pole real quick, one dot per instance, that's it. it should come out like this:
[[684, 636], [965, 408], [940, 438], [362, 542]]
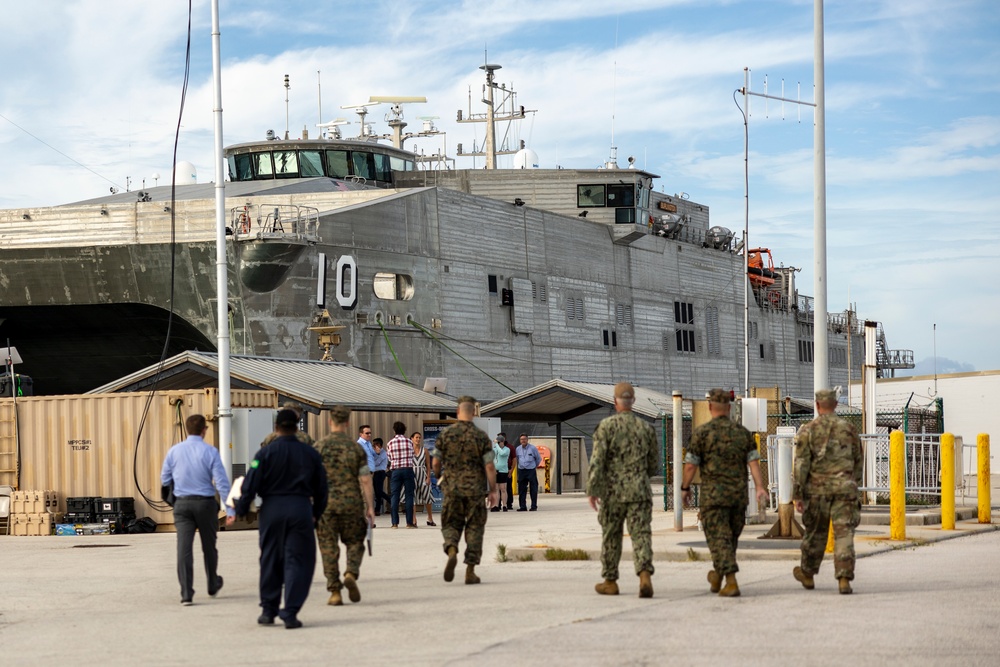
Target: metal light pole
[[225, 423], [821, 365]]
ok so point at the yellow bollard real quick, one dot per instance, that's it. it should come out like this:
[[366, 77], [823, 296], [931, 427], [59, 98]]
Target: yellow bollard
[[897, 485], [947, 481], [829, 539], [983, 450]]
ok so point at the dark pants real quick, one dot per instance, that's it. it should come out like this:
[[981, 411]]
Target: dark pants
[[378, 481], [287, 553], [191, 513], [510, 490], [402, 479], [527, 479]]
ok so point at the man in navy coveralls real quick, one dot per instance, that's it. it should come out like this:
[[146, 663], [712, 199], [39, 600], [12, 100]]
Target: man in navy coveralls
[[290, 479]]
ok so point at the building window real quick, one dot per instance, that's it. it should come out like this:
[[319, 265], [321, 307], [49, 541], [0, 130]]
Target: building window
[[683, 313], [491, 282], [393, 286], [538, 291], [610, 338], [805, 351], [685, 340], [752, 331]]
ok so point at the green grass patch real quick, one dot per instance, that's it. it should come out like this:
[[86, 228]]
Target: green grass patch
[[501, 553], [693, 555], [524, 558], [566, 554]]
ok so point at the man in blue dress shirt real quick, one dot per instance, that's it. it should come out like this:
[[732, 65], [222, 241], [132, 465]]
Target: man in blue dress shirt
[[528, 460], [195, 469]]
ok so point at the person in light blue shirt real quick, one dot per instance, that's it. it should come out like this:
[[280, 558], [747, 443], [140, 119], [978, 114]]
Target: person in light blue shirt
[[501, 460], [195, 470], [365, 440], [381, 458], [528, 460]]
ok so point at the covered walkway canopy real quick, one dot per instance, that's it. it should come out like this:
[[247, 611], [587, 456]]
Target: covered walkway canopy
[[319, 385], [561, 400], [558, 400]]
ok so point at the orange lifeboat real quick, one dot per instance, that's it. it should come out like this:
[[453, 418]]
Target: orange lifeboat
[[759, 273]]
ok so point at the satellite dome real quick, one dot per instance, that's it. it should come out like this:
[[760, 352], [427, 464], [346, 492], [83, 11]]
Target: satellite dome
[[526, 159], [185, 174]]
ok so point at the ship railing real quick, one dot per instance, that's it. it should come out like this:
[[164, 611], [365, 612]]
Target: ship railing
[[288, 222], [805, 304]]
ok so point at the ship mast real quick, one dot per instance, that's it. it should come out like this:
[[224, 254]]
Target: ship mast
[[507, 110]]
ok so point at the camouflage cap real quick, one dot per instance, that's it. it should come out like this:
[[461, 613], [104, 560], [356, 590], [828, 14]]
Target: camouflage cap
[[286, 419], [826, 396], [720, 396], [624, 390], [339, 414]]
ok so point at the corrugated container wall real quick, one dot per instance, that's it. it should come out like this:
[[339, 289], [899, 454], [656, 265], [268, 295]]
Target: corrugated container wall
[[318, 426], [86, 445]]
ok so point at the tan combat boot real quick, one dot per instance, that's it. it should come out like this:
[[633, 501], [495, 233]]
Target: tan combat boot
[[335, 599], [351, 583], [714, 580], [470, 575], [645, 585], [607, 587], [845, 586], [731, 589], [449, 569], [805, 579]]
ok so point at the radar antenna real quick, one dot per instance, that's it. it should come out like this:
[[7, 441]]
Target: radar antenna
[[395, 115]]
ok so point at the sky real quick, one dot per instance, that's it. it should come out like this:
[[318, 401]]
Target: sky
[[90, 98]]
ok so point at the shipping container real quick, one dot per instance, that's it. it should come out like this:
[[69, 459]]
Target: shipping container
[[90, 444]]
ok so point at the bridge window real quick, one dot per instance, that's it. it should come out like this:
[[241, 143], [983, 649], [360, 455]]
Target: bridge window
[[310, 163], [364, 165], [286, 164], [262, 166], [337, 165], [621, 195], [241, 167], [589, 196], [393, 286], [383, 172]]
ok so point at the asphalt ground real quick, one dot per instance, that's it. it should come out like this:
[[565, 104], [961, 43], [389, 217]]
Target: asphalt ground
[[114, 600]]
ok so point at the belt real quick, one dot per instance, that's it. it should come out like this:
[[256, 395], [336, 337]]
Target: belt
[[195, 497]]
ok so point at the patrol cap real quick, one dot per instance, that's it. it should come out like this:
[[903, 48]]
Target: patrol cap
[[466, 399], [339, 414], [286, 418], [624, 390], [720, 396], [826, 396]]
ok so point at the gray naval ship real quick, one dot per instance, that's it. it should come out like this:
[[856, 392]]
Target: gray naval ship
[[363, 252]]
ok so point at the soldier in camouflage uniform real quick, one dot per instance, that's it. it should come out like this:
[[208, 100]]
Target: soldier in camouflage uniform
[[300, 434], [827, 474], [618, 487], [349, 509], [723, 449], [465, 454]]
